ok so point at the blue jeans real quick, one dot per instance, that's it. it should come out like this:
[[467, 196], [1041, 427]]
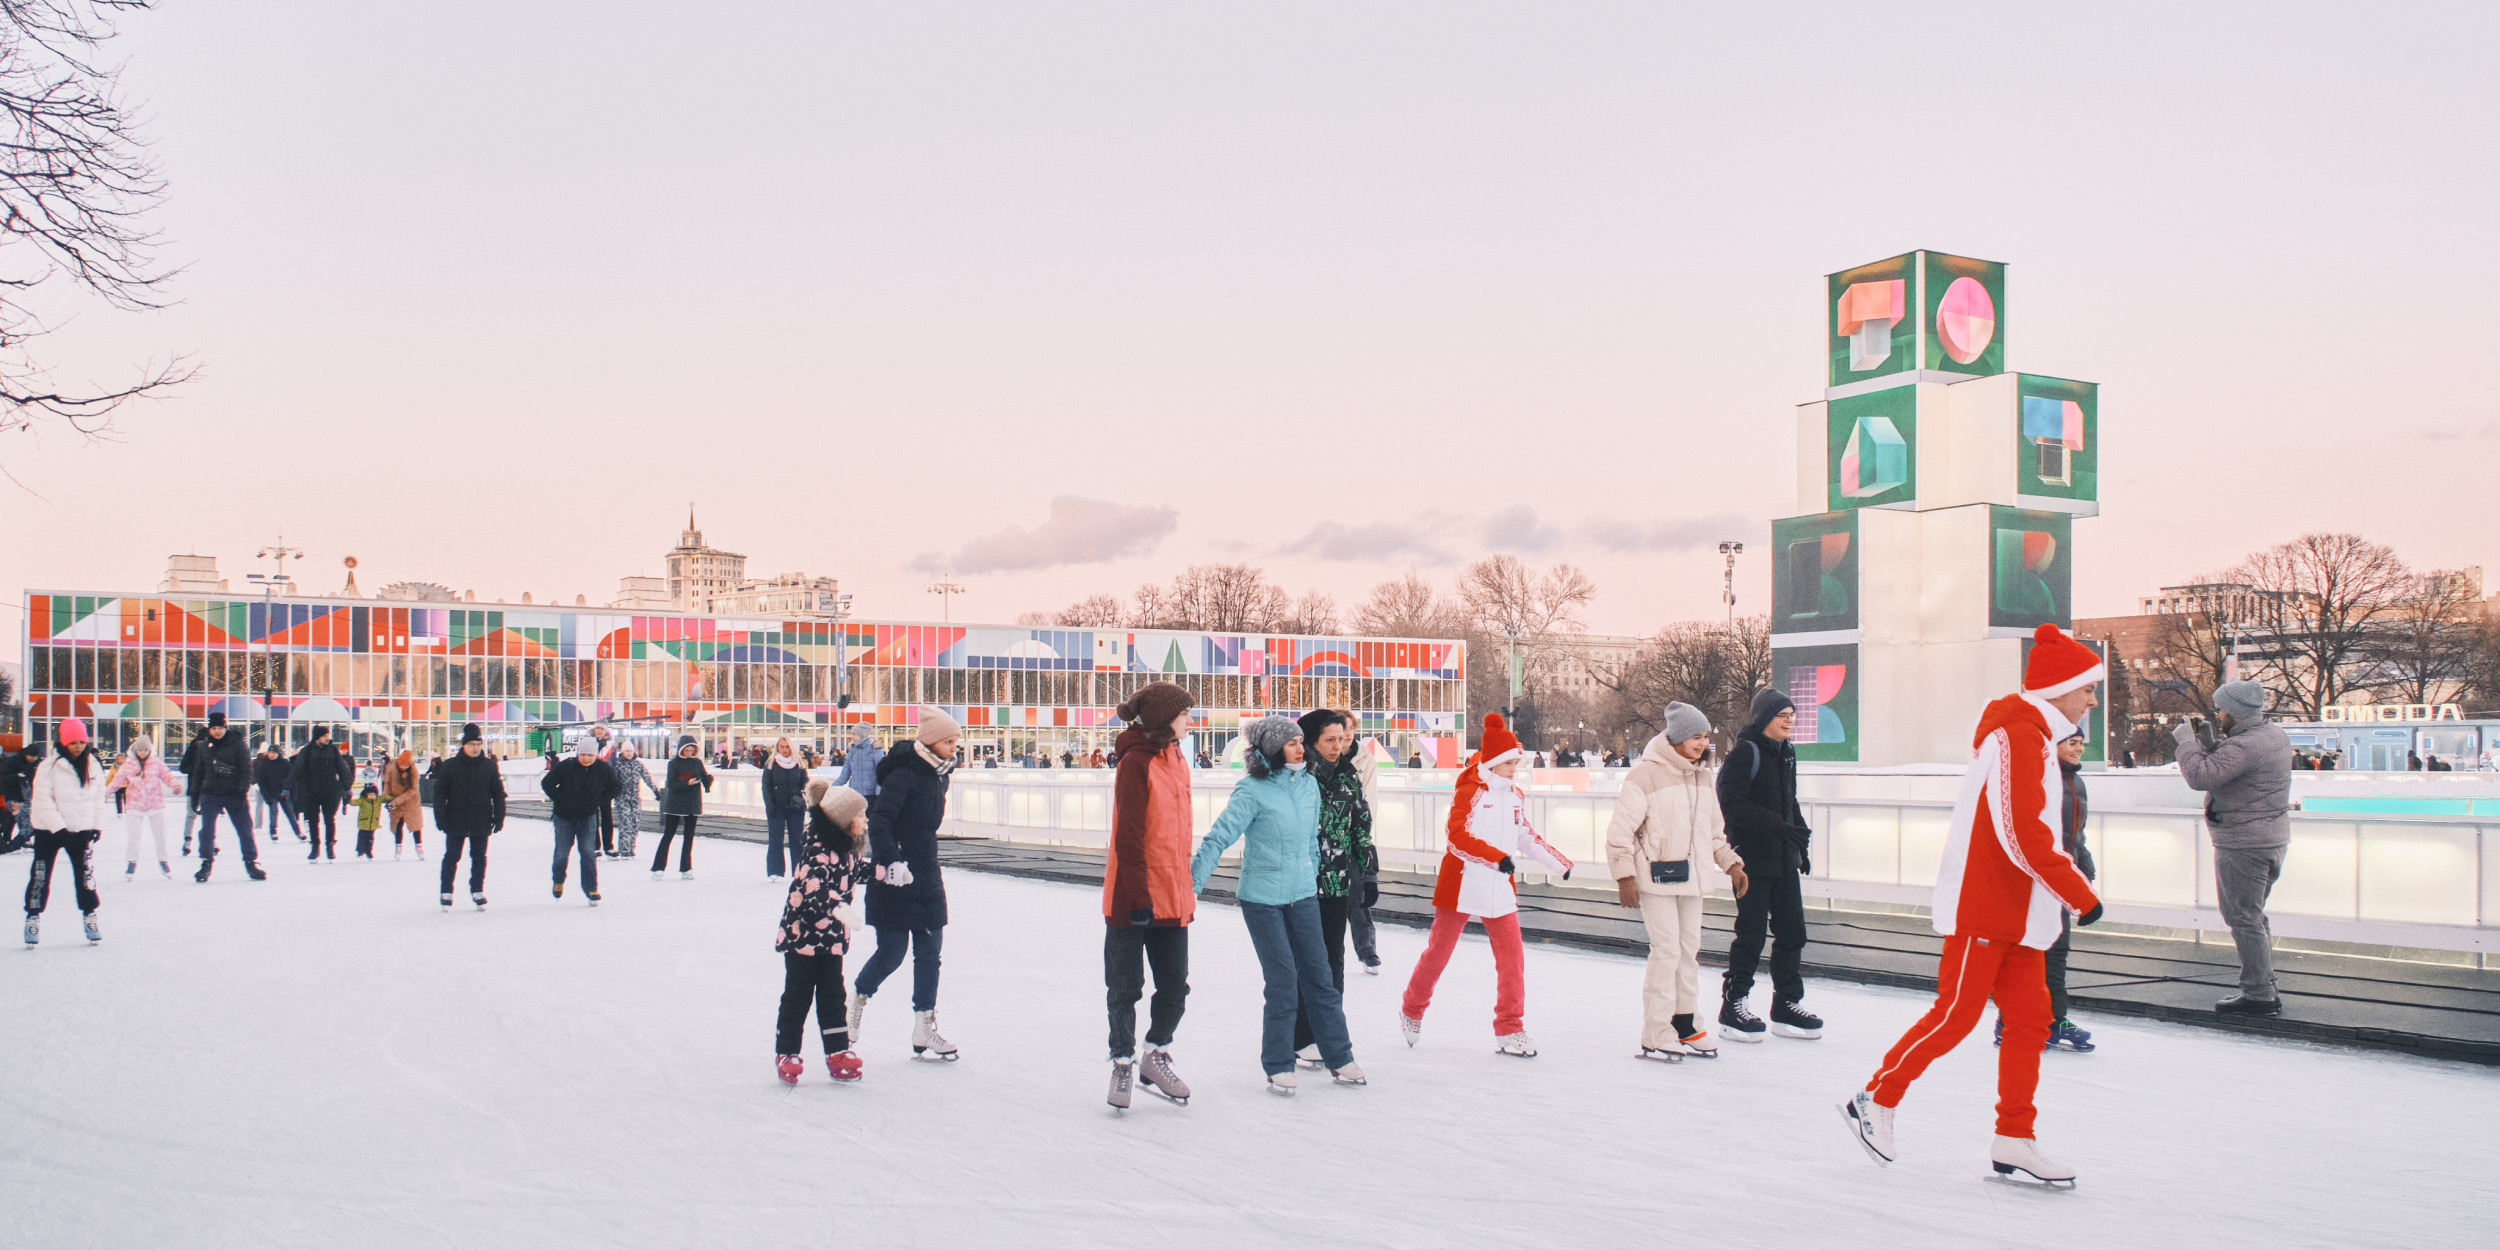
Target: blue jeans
[[783, 828], [1294, 962], [891, 940], [583, 836]]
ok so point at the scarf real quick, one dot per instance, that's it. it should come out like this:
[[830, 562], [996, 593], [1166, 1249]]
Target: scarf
[[939, 762]]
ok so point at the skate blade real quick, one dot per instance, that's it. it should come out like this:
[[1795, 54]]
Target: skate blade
[[1181, 1100], [1849, 1112], [2009, 1174], [931, 1056], [1803, 1035], [1658, 1056], [1739, 1035]]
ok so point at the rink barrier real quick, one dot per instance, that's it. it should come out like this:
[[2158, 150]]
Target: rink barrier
[[2355, 879]]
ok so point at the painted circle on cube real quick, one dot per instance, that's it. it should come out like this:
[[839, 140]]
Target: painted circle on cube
[[1966, 320]]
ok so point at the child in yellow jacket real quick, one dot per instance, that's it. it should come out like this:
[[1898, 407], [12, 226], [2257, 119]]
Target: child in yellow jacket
[[369, 808]]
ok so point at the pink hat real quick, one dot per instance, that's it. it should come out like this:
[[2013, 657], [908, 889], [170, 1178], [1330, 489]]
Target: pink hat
[[73, 730]]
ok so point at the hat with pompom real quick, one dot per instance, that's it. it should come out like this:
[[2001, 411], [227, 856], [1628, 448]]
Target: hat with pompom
[[2059, 664], [1498, 743]]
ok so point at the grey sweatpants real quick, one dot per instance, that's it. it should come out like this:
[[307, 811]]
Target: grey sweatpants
[[2242, 880]]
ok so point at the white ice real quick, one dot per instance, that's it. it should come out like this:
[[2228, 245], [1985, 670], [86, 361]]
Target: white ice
[[326, 1059]]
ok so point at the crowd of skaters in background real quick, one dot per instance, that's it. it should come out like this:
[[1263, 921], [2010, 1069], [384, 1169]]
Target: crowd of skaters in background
[[2007, 897]]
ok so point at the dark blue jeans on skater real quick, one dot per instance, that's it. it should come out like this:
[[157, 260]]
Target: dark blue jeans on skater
[[578, 837], [782, 829], [1293, 959], [238, 810], [891, 942]]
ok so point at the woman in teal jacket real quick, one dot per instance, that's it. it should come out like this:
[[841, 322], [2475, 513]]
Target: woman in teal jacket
[[1275, 814]]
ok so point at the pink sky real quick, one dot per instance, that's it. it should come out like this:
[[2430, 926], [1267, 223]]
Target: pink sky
[[486, 294]]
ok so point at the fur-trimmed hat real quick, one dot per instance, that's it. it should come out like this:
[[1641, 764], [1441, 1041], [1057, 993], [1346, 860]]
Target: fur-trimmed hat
[[2059, 664], [1498, 743]]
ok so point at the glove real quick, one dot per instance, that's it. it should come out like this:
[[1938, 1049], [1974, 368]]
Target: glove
[[1371, 895], [1506, 866], [2184, 734], [2091, 917], [896, 873]]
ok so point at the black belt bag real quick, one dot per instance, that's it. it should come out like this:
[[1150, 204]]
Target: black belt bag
[[1670, 871]]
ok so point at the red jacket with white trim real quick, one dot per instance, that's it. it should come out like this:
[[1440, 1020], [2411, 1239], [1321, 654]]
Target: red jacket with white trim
[[2005, 874]]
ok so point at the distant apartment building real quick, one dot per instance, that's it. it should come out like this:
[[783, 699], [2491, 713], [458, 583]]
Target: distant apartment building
[[703, 578]]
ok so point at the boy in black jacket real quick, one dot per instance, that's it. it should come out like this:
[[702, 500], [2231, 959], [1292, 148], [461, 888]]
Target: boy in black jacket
[[1758, 796]]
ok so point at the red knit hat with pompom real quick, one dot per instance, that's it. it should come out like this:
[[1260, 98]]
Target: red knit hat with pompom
[[1498, 743], [2059, 664]]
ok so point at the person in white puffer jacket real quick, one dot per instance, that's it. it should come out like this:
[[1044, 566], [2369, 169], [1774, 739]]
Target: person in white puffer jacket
[[1666, 824], [65, 806], [144, 782]]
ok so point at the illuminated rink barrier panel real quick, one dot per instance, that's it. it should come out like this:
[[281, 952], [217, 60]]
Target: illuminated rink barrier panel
[[2423, 881]]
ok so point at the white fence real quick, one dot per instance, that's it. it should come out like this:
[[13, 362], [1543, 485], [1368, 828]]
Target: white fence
[[2379, 880]]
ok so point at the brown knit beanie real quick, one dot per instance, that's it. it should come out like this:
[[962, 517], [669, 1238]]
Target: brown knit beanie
[[1154, 705]]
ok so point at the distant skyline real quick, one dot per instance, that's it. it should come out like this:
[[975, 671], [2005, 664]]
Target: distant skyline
[[1073, 296]]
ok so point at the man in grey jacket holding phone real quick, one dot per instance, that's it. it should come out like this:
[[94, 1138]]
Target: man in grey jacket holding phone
[[2245, 772]]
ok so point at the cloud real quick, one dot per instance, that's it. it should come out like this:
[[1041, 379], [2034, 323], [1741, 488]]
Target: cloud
[[1671, 534], [1079, 531], [1438, 538], [1514, 529], [1381, 540]]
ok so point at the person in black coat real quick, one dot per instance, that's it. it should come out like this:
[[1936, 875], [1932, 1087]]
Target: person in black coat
[[319, 781], [218, 768], [468, 806], [784, 786], [270, 775], [1767, 827], [681, 800], [577, 791], [906, 893]]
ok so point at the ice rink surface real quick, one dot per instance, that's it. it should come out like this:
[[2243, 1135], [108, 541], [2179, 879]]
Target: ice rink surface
[[327, 1059]]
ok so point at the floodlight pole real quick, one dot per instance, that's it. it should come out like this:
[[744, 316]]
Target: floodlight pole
[[1731, 550]]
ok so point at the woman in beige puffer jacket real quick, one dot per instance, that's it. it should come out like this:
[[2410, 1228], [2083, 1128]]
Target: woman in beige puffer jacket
[[1667, 814]]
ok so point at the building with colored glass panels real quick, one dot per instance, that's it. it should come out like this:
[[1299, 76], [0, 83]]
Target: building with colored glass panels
[[385, 675]]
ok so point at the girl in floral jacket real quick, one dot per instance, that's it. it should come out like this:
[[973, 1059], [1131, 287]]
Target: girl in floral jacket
[[816, 930]]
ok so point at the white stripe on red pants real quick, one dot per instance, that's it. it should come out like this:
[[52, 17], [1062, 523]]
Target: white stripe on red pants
[[1972, 971]]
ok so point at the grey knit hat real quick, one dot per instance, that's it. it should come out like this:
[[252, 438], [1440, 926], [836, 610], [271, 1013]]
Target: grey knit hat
[[1268, 735], [1684, 722], [2240, 700]]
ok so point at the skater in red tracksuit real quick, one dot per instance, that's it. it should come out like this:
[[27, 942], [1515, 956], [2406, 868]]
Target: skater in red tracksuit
[[2003, 882]]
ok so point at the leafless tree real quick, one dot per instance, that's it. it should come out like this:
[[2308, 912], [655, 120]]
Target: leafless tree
[[1506, 599], [1409, 607], [1715, 666], [76, 190], [1314, 613], [2422, 649], [2317, 601]]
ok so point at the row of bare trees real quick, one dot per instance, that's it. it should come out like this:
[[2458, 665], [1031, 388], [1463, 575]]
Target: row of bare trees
[[2321, 620], [1222, 597]]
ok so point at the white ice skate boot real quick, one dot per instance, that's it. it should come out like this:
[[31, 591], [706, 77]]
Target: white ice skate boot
[[1351, 1074], [926, 1041], [1871, 1123], [2022, 1154], [34, 929], [851, 1018], [1159, 1078], [94, 934], [1516, 1045], [1412, 1028], [1281, 1084], [167, 868], [1308, 1058], [446, 902], [478, 899], [687, 875], [1123, 1076]]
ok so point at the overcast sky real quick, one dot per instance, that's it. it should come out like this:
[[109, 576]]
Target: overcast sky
[[1075, 294]]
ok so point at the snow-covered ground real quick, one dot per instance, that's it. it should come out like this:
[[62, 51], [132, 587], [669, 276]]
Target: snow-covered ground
[[327, 1059]]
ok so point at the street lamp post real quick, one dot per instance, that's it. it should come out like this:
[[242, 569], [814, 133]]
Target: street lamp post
[[268, 634], [946, 590], [1731, 550], [841, 660]]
